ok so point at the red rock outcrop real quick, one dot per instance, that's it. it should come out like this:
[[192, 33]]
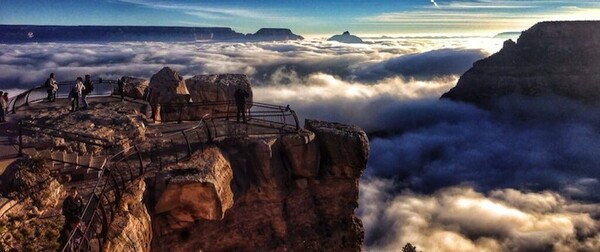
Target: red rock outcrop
[[166, 86], [281, 203], [135, 87], [217, 87], [198, 189], [559, 58], [131, 229]]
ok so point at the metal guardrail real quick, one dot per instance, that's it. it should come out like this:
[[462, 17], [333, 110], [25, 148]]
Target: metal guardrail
[[126, 166], [129, 165], [275, 116], [39, 93]]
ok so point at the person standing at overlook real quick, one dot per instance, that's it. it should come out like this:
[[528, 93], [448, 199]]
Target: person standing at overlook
[[240, 96], [121, 86], [6, 103], [76, 93], [72, 207], [89, 87], [51, 87], [3, 106]]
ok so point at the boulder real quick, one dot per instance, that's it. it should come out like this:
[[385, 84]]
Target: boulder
[[215, 88], [168, 87], [197, 190], [344, 148], [135, 87]]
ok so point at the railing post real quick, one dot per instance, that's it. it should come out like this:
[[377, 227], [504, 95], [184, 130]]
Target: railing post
[[180, 112], [20, 138], [295, 119], [189, 148], [208, 133], [248, 114], [139, 154], [27, 98]]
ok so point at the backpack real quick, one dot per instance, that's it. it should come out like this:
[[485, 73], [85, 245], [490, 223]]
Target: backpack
[[73, 92], [47, 83]]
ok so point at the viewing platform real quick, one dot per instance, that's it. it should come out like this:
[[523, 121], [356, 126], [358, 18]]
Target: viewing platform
[[100, 148]]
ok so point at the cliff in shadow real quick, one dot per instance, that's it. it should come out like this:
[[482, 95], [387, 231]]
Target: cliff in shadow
[[550, 58], [296, 192]]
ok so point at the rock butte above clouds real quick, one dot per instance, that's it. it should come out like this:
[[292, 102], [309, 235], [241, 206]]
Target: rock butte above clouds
[[346, 38], [550, 58]]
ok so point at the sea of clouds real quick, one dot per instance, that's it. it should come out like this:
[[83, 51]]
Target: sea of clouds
[[442, 175]]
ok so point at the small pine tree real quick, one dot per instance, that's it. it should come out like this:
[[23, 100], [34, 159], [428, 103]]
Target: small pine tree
[[409, 248]]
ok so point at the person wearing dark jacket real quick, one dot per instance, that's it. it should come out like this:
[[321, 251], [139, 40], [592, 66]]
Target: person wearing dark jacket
[[89, 87], [72, 207], [240, 102], [51, 87], [3, 107], [76, 93], [121, 86]]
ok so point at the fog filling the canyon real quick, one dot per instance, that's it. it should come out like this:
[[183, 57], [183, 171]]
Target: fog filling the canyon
[[442, 175]]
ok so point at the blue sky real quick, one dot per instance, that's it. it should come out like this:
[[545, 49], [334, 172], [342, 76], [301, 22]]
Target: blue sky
[[307, 17]]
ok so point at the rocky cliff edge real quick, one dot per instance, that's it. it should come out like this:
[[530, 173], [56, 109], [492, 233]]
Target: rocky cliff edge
[[296, 192], [555, 58]]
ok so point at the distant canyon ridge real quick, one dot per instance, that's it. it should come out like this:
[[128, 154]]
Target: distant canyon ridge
[[48, 33]]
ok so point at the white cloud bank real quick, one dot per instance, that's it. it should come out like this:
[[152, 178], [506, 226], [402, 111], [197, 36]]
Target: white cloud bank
[[450, 155], [461, 219]]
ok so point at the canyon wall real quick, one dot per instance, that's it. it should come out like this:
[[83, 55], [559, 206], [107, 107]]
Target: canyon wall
[[550, 58]]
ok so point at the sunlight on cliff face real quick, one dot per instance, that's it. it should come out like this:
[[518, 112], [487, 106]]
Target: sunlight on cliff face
[[321, 86]]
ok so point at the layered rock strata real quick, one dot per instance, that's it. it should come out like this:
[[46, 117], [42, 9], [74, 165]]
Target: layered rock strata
[[297, 192], [131, 229], [550, 58], [198, 189]]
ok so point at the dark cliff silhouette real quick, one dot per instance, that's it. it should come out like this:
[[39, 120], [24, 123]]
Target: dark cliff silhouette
[[550, 58]]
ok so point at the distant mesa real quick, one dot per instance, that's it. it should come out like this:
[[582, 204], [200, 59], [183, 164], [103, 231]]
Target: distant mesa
[[46, 33], [273, 34], [346, 37], [550, 58], [507, 35]]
